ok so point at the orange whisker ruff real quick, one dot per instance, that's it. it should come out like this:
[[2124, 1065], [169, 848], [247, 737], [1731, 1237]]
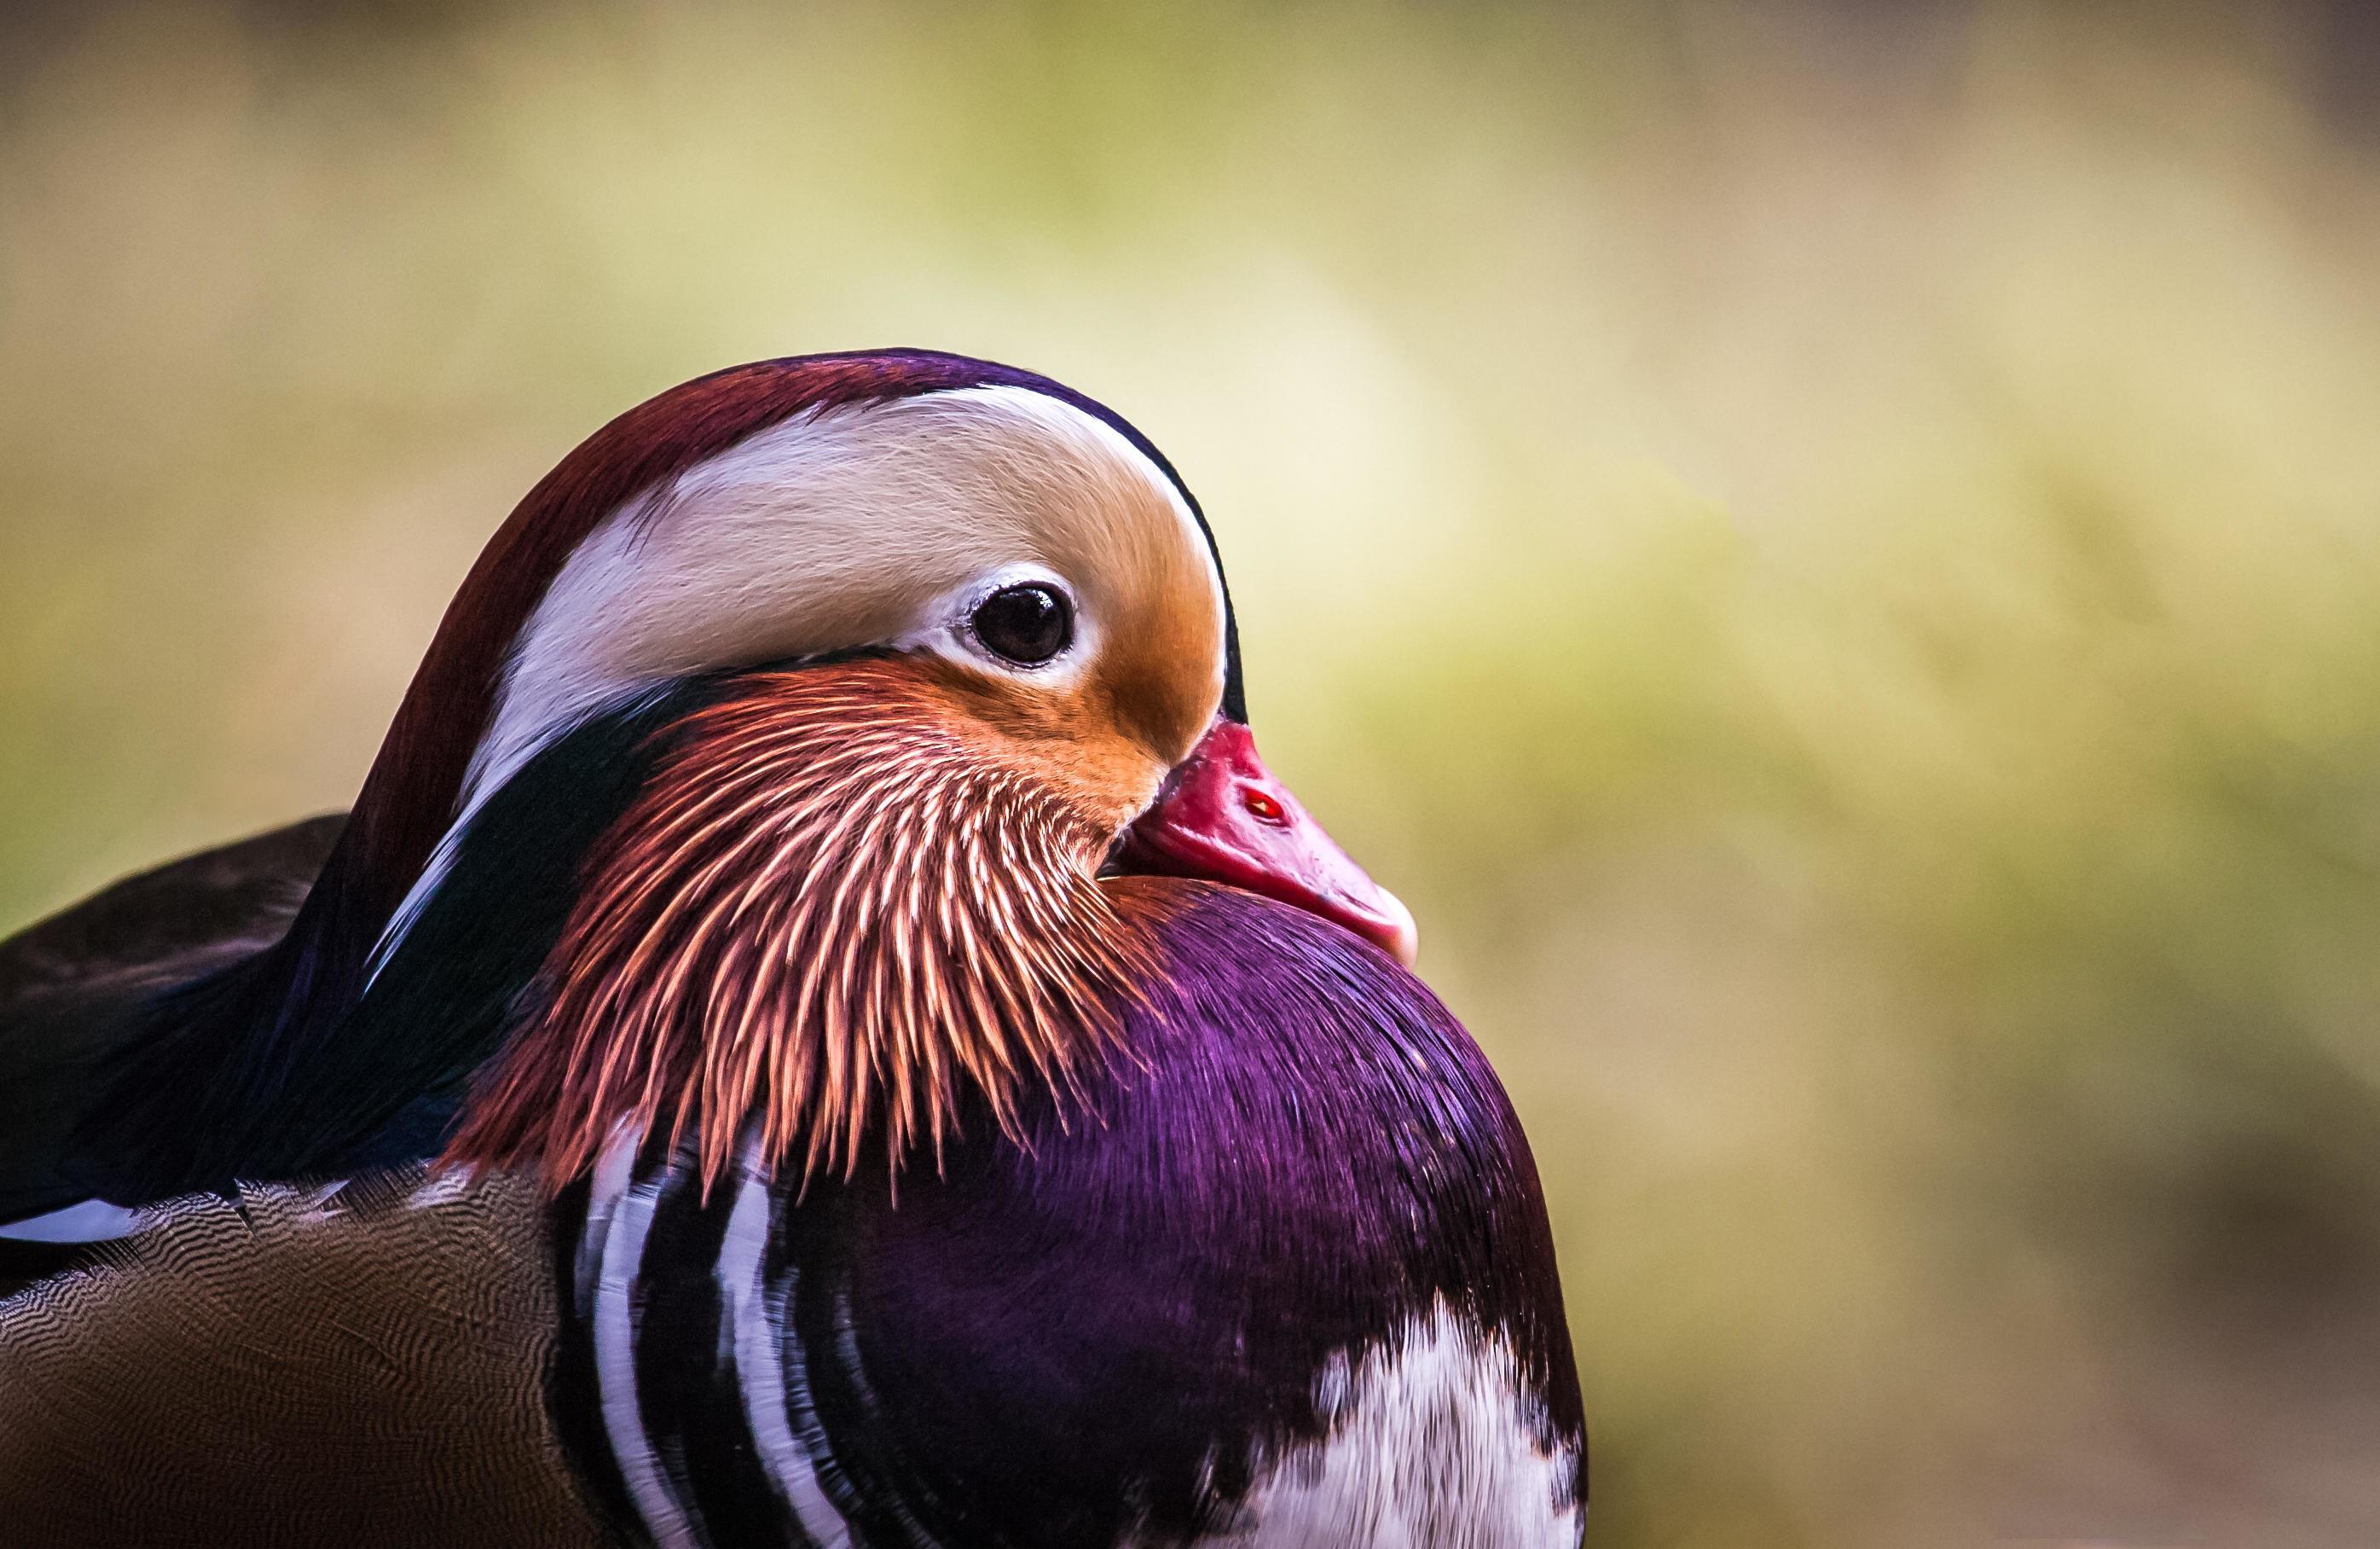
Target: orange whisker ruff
[[839, 903]]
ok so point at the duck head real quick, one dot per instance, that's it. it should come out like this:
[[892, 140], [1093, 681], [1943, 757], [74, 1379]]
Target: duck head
[[861, 689]]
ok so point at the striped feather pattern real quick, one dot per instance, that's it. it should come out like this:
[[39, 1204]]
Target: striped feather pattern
[[680, 1308], [363, 1371]]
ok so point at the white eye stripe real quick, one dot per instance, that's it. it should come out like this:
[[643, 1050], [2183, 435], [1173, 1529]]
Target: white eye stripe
[[741, 558]]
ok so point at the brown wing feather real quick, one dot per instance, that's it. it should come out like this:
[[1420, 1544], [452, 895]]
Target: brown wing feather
[[173, 922], [71, 987], [367, 1374]]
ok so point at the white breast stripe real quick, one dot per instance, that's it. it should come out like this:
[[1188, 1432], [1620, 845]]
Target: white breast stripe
[[759, 1323], [613, 1169], [625, 1226]]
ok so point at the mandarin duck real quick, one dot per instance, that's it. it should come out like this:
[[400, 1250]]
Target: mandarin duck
[[819, 1030]]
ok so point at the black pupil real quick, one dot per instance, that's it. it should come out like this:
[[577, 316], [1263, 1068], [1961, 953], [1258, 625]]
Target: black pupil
[[1026, 624]]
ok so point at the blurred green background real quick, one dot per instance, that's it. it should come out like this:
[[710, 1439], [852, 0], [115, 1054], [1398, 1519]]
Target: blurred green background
[[1831, 551]]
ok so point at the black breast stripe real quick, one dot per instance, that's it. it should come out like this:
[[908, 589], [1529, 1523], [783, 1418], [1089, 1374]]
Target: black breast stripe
[[688, 1385], [722, 1409], [808, 1463], [870, 1483], [573, 1395]]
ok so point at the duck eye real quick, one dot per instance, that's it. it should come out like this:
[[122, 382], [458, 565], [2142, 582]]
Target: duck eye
[[1026, 624]]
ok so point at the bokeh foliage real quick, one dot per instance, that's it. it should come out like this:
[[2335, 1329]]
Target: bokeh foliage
[[1832, 552]]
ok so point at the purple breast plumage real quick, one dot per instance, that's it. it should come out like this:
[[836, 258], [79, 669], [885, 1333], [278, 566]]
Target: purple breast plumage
[[1282, 1275]]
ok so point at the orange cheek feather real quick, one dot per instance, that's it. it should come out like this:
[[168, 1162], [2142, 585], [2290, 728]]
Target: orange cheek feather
[[849, 895]]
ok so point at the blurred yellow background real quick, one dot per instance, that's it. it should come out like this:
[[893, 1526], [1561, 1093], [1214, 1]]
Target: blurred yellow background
[[1831, 551]]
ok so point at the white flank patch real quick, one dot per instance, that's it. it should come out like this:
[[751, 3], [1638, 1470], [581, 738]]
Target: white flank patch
[[759, 1354], [625, 1227], [831, 531], [1431, 1448]]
